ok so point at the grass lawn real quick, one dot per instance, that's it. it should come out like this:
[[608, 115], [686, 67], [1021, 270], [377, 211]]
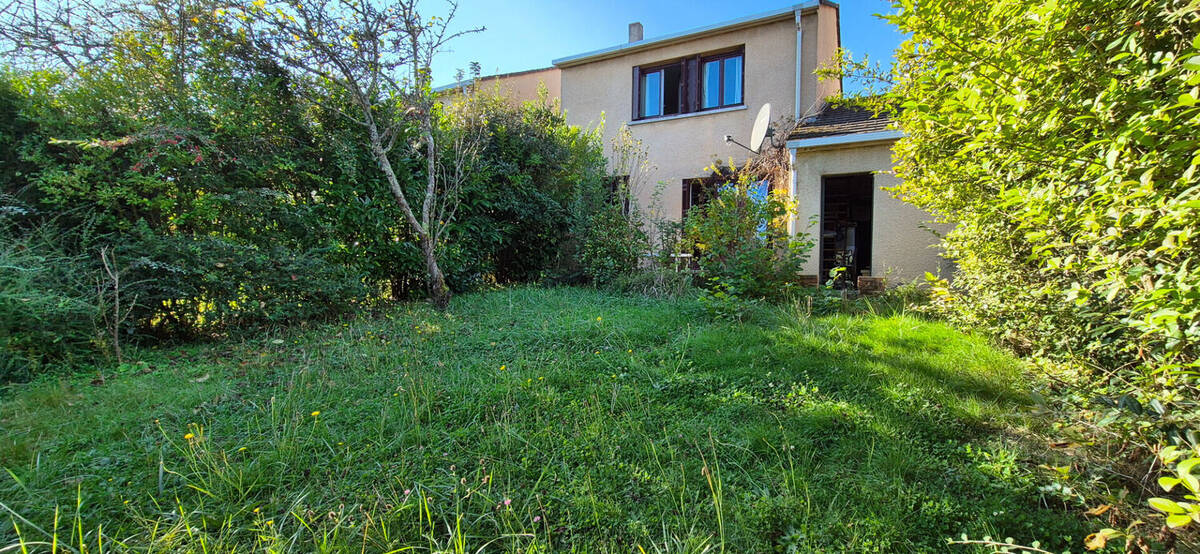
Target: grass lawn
[[540, 420]]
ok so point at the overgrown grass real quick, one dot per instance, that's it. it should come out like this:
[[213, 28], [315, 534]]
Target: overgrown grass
[[535, 420]]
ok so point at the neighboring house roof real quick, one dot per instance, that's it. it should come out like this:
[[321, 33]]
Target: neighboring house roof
[[841, 120], [654, 42]]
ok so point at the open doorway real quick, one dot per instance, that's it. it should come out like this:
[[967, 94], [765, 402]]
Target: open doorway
[[846, 213]]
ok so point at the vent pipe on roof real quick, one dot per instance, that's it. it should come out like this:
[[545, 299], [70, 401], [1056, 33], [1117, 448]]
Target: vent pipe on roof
[[635, 31]]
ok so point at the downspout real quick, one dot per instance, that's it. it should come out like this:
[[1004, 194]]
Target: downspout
[[794, 224], [799, 66]]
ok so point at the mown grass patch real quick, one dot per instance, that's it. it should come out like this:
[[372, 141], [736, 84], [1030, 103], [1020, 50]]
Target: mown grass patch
[[533, 420]]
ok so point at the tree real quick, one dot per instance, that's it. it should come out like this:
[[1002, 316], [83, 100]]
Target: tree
[[360, 47], [1061, 140]]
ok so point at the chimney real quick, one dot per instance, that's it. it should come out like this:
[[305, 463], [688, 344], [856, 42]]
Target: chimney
[[635, 31]]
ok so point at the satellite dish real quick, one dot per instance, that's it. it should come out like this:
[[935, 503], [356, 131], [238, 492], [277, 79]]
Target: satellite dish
[[761, 124], [762, 128]]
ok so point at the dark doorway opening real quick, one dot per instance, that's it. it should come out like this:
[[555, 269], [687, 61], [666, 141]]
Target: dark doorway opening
[[846, 212]]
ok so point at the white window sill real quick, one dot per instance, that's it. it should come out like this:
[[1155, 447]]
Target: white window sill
[[687, 115]]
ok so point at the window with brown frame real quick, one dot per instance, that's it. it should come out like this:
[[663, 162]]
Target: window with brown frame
[[689, 85]]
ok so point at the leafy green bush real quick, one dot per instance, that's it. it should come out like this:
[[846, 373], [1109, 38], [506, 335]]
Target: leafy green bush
[[537, 178], [1059, 138], [185, 286], [743, 246], [48, 308], [614, 245]]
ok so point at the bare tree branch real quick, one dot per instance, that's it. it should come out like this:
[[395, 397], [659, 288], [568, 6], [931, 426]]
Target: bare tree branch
[[362, 48]]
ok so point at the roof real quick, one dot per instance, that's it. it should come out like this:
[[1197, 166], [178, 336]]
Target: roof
[[654, 42], [841, 120]]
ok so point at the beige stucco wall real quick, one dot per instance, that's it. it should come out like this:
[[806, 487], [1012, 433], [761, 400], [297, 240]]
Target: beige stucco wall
[[902, 246], [680, 148], [517, 88], [524, 86]]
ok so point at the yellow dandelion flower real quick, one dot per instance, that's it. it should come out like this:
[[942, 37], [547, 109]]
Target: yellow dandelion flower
[[189, 436], [598, 318], [503, 367], [270, 522], [316, 413], [256, 510]]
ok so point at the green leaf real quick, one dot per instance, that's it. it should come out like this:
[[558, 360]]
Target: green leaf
[[1165, 505], [1178, 520]]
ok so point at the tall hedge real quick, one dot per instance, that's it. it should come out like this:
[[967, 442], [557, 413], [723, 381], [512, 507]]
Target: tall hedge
[[1063, 139]]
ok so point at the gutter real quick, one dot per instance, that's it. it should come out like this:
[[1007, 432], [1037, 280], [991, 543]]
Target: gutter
[[838, 140], [664, 40]]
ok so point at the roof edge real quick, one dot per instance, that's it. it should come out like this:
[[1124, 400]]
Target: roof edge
[[467, 82], [851, 138], [664, 40]]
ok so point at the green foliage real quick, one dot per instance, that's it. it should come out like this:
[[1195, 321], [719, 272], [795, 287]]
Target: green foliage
[[743, 245], [655, 282], [48, 309], [232, 199], [1179, 513], [614, 245], [544, 420], [1060, 139], [537, 177], [188, 286]]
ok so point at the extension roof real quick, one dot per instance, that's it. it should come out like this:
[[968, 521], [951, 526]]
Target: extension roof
[[841, 120]]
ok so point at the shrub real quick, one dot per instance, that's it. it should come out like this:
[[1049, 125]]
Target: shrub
[[48, 309], [742, 243], [1052, 136], [614, 245], [1060, 138], [191, 285]]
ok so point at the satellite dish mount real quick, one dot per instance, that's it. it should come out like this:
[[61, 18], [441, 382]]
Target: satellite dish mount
[[762, 128]]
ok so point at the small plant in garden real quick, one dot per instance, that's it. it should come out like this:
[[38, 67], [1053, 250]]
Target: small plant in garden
[[742, 244]]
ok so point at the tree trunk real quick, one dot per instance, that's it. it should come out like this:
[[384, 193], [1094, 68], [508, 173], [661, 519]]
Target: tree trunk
[[439, 294]]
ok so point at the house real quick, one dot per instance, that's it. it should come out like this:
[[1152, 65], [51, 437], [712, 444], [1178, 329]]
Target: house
[[682, 93], [516, 87]]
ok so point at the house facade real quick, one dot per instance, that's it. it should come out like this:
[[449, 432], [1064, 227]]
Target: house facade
[[682, 94], [516, 87]]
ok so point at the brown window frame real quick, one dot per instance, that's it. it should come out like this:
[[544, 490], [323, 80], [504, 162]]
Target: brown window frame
[[721, 79], [691, 86]]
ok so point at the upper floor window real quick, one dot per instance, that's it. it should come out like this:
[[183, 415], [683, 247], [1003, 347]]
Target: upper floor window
[[689, 85], [722, 81]]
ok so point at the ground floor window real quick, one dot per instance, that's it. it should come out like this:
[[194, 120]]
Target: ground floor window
[[618, 192]]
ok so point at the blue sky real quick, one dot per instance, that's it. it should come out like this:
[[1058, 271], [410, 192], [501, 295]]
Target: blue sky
[[528, 34]]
